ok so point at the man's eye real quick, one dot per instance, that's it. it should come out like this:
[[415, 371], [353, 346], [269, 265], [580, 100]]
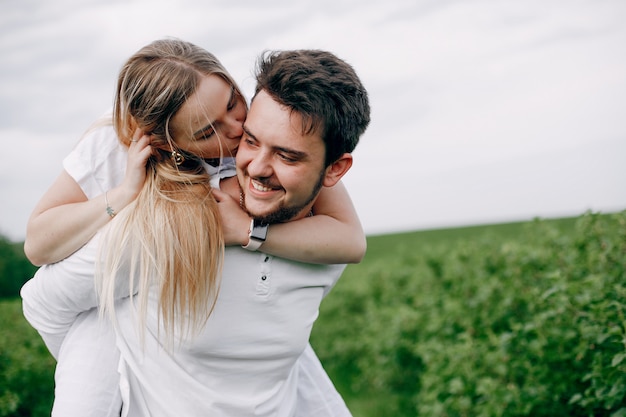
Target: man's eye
[[287, 158]]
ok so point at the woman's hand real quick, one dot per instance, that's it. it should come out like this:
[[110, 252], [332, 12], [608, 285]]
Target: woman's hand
[[235, 221], [138, 153]]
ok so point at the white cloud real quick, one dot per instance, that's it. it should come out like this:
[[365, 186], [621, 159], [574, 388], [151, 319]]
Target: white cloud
[[473, 101]]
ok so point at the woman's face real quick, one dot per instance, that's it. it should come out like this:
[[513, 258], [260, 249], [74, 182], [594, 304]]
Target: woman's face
[[209, 124]]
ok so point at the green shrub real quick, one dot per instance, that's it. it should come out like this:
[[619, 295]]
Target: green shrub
[[15, 269], [26, 367], [495, 324]]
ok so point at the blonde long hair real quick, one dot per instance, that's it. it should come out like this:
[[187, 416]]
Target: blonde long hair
[[169, 240]]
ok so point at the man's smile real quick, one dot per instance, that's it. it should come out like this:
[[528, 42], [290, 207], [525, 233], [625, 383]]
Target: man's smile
[[261, 187]]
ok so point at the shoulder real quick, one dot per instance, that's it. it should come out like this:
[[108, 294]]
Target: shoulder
[[100, 138], [100, 145], [98, 161], [230, 186]]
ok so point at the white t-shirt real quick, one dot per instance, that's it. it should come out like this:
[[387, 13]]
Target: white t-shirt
[[245, 360], [86, 377]]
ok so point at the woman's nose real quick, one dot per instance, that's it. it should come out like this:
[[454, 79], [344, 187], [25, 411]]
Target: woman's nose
[[234, 122], [233, 128]]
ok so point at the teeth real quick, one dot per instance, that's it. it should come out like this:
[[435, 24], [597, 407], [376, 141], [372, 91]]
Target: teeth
[[260, 187]]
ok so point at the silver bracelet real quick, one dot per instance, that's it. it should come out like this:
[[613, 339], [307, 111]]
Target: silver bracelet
[[109, 209]]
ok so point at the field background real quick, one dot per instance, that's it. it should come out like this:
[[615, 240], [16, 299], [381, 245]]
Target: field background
[[524, 319]]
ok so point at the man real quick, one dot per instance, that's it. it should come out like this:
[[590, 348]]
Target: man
[[307, 115]]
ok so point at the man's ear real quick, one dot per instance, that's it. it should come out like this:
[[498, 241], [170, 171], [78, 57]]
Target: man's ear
[[337, 169]]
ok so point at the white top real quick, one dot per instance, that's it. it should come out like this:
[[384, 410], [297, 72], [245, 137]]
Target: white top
[[244, 361], [86, 381]]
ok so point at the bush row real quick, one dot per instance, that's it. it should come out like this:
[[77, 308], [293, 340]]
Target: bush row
[[524, 325], [15, 269], [26, 367]]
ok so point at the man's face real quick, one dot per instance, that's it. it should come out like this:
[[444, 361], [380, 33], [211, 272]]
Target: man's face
[[279, 169]]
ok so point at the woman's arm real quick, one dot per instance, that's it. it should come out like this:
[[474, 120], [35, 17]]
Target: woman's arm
[[333, 235], [64, 219]]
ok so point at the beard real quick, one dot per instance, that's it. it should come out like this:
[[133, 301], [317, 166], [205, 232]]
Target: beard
[[285, 213]]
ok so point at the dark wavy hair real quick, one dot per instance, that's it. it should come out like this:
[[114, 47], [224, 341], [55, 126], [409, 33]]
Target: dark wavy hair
[[324, 89]]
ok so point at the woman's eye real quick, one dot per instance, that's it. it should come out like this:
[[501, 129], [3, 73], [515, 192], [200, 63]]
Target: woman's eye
[[206, 135]]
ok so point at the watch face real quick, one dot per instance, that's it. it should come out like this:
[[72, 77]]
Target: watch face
[[259, 231]]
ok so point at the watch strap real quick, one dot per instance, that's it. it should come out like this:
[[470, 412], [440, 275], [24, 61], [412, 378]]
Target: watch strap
[[256, 235]]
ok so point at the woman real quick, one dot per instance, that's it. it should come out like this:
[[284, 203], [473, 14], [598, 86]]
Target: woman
[[192, 112], [71, 211]]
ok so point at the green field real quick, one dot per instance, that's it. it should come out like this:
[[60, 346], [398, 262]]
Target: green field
[[519, 319], [524, 319], [26, 367]]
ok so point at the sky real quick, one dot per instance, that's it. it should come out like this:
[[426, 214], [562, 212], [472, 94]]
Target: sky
[[483, 111]]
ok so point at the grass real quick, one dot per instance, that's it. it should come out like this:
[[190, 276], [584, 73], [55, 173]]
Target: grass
[[494, 320], [26, 366]]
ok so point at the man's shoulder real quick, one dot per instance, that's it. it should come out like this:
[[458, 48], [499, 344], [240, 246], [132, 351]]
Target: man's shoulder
[[230, 186]]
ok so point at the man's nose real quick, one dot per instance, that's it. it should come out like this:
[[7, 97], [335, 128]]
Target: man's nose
[[260, 165]]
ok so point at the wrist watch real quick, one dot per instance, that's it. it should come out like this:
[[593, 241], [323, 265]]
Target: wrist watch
[[256, 235]]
